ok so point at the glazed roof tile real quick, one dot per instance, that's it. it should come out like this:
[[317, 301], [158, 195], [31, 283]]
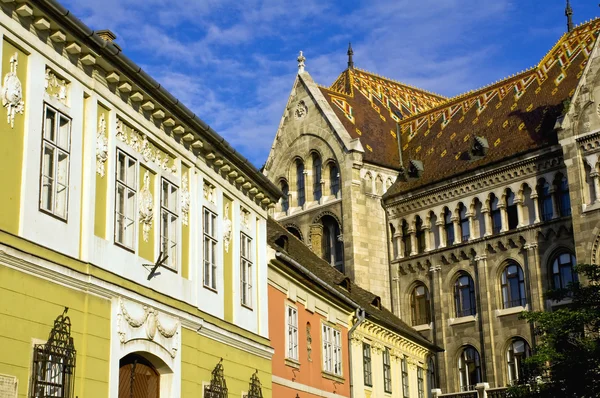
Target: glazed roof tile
[[301, 253], [515, 115]]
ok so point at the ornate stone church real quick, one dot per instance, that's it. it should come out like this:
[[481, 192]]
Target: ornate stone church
[[458, 212]]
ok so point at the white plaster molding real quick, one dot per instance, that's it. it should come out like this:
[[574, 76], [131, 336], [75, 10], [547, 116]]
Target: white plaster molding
[[146, 206], [185, 199], [137, 321], [51, 81], [245, 218], [227, 229], [101, 146], [12, 92], [209, 193]]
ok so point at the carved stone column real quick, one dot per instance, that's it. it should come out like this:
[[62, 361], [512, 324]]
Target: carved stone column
[[555, 212], [536, 207], [485, 295], [596, 177], [400, 243], [487, 220], [457, 232], [535, 277], [440, 226], [471, 217], [519, 203], [397, 241], [316, 239], [427, 232], [503, 217], [413, 241]]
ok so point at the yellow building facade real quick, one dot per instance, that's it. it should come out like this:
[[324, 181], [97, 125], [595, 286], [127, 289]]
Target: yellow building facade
[[132, 237]]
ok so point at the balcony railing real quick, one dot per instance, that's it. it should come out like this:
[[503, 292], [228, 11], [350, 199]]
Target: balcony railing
[[481, 390]]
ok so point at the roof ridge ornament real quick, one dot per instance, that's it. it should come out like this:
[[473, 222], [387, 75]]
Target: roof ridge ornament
[[350, 54], [301, 59], [569, 15]]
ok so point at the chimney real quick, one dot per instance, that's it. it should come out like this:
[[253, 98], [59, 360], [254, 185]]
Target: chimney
[[107, 35]]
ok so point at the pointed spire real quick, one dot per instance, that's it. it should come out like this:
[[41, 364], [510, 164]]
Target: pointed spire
[[301, 59], [350, 54], [569, 15]]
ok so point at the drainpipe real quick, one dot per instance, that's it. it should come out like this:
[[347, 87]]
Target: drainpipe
[[360, 318]]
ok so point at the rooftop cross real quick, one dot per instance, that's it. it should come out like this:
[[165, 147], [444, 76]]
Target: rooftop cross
[[350, 54]]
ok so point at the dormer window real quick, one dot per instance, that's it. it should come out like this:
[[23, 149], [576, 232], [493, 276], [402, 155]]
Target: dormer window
[[415, 169], [479, 148], [345, 284], [376, 302]]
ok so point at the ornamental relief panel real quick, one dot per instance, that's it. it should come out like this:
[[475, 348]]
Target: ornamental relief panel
[[146, 206], [55, 87], [141, 322], [139, 142], [101, 146], [185, 199], [12, 92]]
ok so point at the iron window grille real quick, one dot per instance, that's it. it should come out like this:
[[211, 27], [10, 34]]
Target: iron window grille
[[125, 200], [54, 178], [53, 370], [218, 386], [368, 375], [255, 388], [292, 336], [387, 371], [169, 214], [246, 269], [210, 249]]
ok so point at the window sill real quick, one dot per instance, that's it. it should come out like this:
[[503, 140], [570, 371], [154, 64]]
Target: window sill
[[565, 301], [292, 363], [331, 376], [210, 289], [423, 327], [247, 307], [461, 320], [512, 310]]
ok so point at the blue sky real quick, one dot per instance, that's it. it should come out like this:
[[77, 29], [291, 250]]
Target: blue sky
[[234, 62]]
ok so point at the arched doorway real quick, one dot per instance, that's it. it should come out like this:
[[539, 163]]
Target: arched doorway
[[138, 378]]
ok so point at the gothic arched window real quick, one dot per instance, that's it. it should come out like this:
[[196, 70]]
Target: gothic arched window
[[316, 172], [545, 200], [495, 214], [564, 200], [465, 229], [448, 227], [334, 179], [464, 295], [517, 352], [333, 247], [406, 239], [513, 286], [300, 182], [562, 271], [511, 210], [420, 235], [469, 367], [419, 302]]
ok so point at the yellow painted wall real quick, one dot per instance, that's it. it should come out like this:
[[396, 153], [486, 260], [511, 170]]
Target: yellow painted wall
[[228, 264], [12, 147], [199, 357], [146, 249], [101, 187], [185, 234], [28, 308]]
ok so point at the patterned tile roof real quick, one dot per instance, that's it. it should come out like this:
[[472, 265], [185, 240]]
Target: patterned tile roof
[[515, 115]]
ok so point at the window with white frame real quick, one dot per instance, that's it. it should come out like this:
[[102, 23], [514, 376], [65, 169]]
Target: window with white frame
[[246, 269], [420, 382], [405, 387], [210, 249], [332, 350], [125, 200], [387, 371], [169, 213], [56, 142], [292, 333]]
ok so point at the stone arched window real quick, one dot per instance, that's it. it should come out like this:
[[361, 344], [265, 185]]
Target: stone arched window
[[300, 182], [368, 183], [464, 295], [495, 214], [561, 270], [420, 231], [448, 227], [294, 231], [465, 229], [513, 286], [334, 179], [316, 174], [469, 368], [379, 185], [285, 201], [562, 194], [518, 350], [394, 241], [406, 241], [545, 200], [511, 210], [333, 247], [420, 305]]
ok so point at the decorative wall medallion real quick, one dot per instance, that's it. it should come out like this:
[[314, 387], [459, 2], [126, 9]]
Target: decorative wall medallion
[[227, 229], [245, 218], [301, 110], [55, 87], [137, 321], [146, 206], [12, 92], [185, 199], [209, 193], [101, 146]]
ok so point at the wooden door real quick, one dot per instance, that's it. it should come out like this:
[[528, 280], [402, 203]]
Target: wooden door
[[138, 378]]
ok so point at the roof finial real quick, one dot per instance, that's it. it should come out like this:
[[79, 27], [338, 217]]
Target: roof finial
[[350, 54], [301, 59], [569, 15]]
